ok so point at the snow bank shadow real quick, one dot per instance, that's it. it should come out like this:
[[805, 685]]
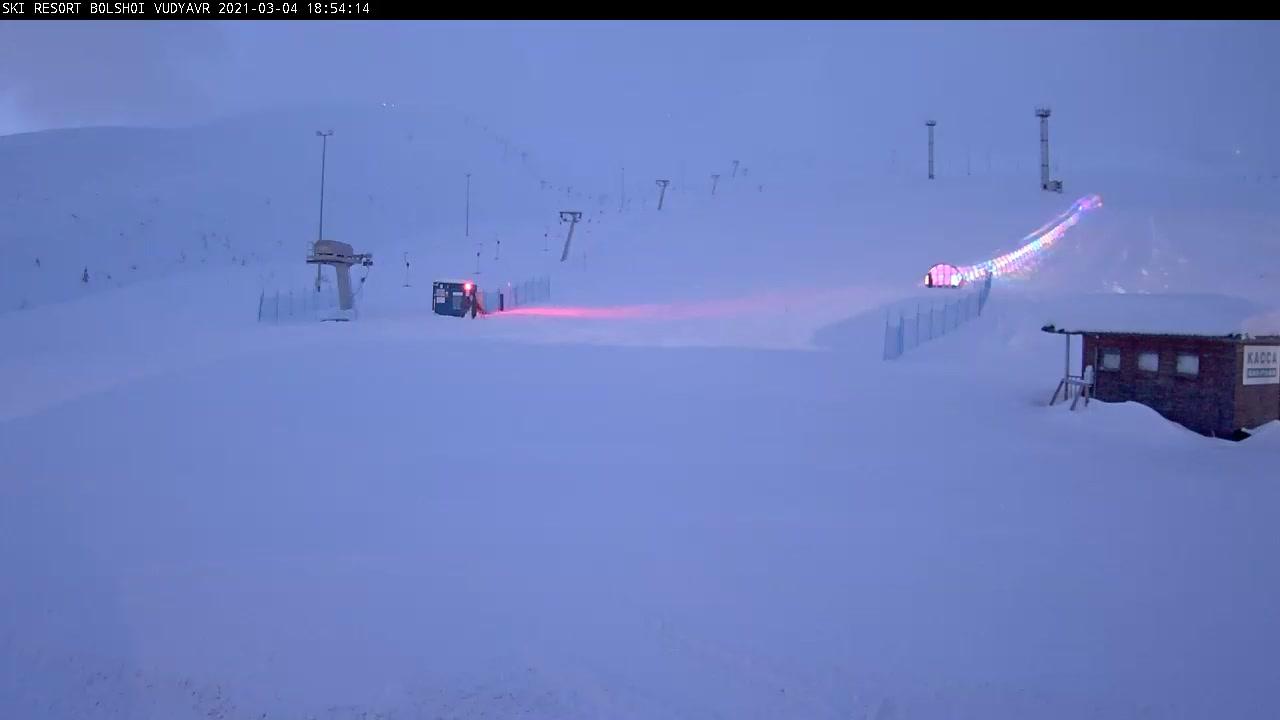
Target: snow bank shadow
[[860, 333], [864, 332]]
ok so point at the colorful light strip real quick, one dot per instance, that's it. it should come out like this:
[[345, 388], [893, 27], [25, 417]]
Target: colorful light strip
[[1021, 260]]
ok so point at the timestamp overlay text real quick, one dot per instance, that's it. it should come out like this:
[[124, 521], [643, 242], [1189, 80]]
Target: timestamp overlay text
[[215, 10]]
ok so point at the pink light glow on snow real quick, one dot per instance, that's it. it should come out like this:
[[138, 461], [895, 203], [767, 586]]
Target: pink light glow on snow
[[685, 310]]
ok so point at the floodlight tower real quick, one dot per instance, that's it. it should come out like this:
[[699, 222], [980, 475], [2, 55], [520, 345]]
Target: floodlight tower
[[1043, 114], [662, 192], [931, 124], [1045, 182]]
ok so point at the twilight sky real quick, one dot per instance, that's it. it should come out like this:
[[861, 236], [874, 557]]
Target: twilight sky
[[1198, 91]]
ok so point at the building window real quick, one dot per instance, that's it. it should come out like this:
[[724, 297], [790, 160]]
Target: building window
[[1188, 364], [1110, 359], [1149, 361]]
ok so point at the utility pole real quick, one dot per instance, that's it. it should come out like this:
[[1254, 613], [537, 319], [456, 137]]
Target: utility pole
[[735, 168], [715, 180], [931, 124], [324, 151], [573, 216], [468, 204], [662, 193], [1043, 114]]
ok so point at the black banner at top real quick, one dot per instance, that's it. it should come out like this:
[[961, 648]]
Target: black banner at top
[[212, 10], [405, 10]]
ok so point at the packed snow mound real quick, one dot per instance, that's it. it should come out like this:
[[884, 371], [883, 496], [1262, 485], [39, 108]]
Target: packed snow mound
[[404, 517], [1162, 314], [1266, 437], [1129, 422]]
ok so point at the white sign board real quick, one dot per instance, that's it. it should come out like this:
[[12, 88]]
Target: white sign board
[[1262, 364]]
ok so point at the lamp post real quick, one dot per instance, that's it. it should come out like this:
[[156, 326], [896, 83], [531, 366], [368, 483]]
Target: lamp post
[[324, 150]]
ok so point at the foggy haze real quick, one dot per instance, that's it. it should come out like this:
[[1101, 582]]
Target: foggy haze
[[494, 404], [1195, 93]]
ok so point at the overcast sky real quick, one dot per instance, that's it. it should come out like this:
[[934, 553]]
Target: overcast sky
[[1203, 90]]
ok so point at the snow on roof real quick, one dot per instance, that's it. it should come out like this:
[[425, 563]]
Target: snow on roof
[[1163, 314]]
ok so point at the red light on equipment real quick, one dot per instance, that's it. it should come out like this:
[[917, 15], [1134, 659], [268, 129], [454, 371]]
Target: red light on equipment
[[466, 288]]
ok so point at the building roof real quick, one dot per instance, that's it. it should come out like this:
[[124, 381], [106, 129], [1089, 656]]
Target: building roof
[[1164, 314]]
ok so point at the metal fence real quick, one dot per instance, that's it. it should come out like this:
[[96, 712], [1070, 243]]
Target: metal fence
[[305, 304], [909, 332], [514, 295], [299, 305]]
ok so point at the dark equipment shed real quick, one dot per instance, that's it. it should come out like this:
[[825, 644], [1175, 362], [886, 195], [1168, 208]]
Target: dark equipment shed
[[1193, 360]]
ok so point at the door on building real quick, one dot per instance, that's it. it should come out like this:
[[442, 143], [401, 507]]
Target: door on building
[[1075, 349]]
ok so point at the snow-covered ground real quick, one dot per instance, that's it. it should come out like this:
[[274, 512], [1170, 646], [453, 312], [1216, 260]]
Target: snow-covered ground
[[713, 500]]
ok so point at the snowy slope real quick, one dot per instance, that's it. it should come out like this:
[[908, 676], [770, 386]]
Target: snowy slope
[[137, 204], [710, 498]]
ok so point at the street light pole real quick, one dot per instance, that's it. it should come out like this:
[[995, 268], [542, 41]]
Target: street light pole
[[324, 149]]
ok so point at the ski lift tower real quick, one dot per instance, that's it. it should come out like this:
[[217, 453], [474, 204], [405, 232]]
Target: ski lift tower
[[662, 191], [572, 217], [341, 257]]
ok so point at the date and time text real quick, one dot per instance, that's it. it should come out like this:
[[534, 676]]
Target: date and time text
[[204, 10]]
